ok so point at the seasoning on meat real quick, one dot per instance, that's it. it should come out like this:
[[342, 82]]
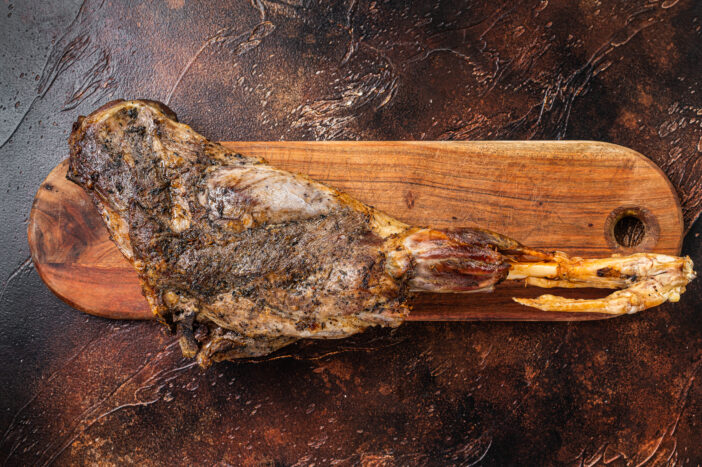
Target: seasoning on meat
[[244, 258]]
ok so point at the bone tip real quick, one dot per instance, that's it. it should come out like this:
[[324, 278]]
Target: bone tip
[[688, 269], [530, 302]]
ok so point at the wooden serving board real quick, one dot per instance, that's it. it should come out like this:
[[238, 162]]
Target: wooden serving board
[[564, 195]]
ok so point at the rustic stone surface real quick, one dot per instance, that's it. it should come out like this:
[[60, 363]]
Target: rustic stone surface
[[79, 389]]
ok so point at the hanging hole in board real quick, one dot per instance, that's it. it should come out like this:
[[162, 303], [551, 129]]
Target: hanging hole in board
[[630, 229]]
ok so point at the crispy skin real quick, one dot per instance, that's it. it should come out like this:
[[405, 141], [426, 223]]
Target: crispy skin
[[244, 258]]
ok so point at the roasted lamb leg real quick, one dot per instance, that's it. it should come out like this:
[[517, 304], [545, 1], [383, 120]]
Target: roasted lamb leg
[[243, 258]]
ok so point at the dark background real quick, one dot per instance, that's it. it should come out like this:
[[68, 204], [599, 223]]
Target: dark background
[[76, 389]]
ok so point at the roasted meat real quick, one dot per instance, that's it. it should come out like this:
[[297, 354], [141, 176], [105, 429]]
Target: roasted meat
[[243, 258]]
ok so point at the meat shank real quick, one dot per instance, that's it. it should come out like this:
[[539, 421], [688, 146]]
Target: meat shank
[[243, 258]]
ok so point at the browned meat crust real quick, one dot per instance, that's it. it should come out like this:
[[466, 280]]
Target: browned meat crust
[[244, 258]]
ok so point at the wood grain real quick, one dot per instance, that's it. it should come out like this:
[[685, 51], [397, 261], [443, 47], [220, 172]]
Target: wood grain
[[550, 195]]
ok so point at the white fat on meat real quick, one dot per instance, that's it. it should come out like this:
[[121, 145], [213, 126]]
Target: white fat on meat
[[256, 194]]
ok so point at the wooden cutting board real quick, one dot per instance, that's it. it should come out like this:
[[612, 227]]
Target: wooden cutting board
[[565, 195]]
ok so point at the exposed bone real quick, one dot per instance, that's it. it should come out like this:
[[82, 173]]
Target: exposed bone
[[647, 280]]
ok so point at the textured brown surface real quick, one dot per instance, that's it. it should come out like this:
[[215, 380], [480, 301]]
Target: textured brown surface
[[77, 389]]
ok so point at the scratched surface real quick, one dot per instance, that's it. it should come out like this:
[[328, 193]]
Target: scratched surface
[[81, 390]]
